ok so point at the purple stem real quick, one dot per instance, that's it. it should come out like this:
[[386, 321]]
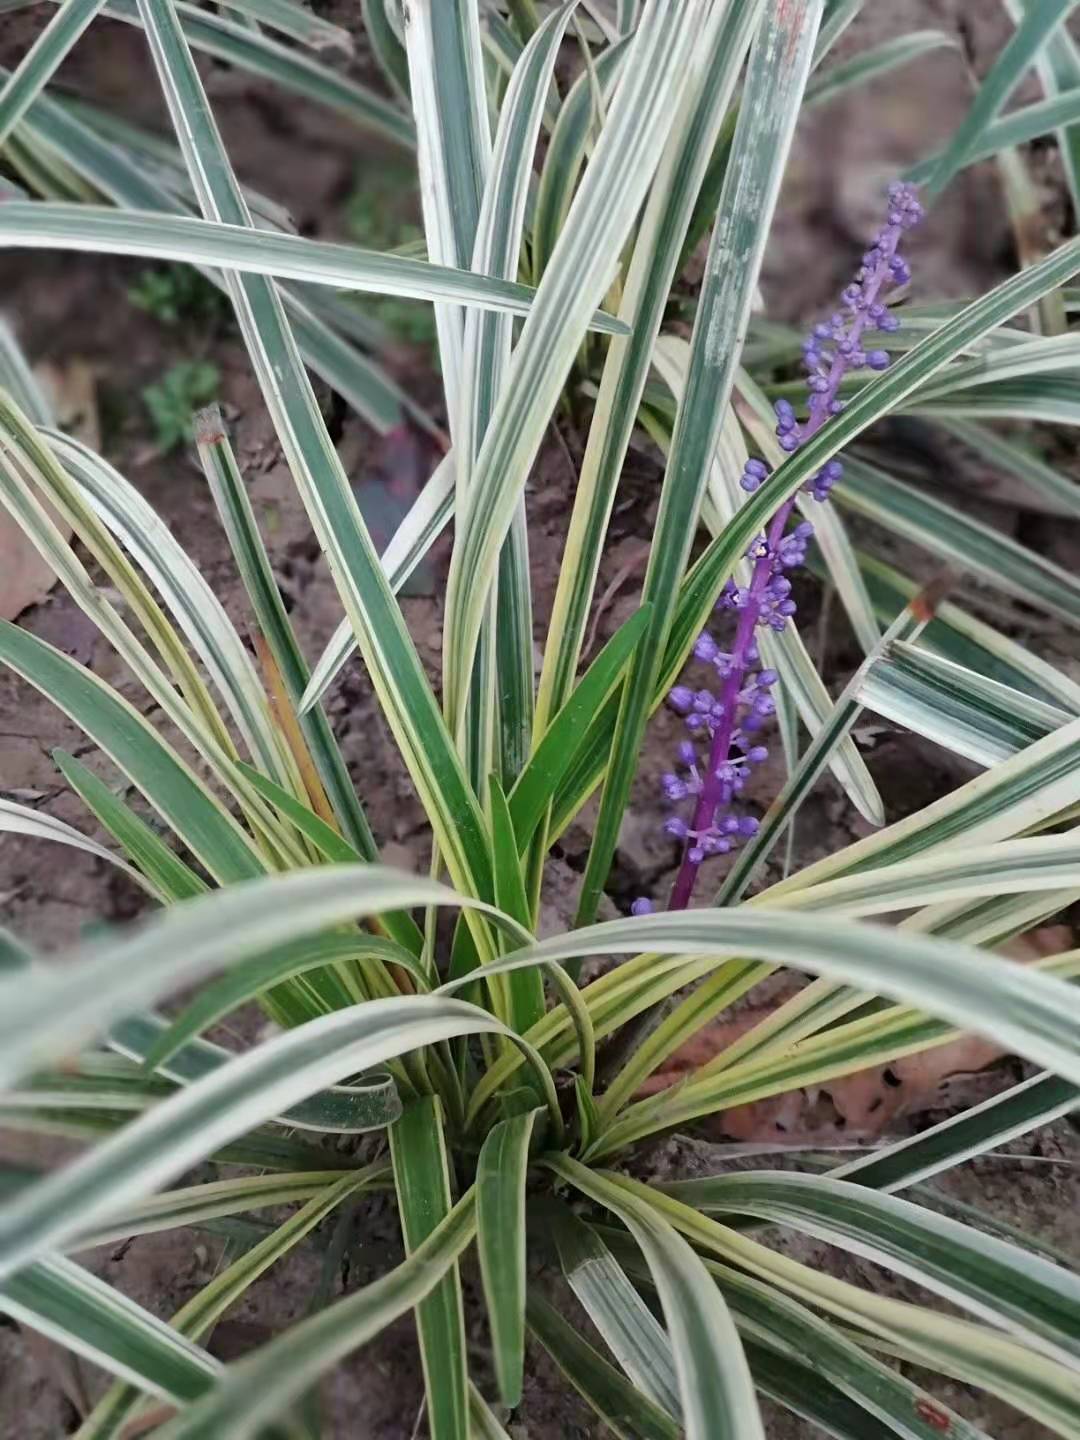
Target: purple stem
[[716, 791]]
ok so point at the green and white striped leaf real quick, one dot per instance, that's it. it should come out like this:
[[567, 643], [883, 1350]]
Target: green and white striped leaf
[[625, 1411], [1038, 1301], [959, 637], [20, 381], [386, 44], [973, 1353], [101, 230], [370, 1104], [54, 1011], [956, 707], [442, 43], [117, 727], [629, 1328], [17, 819], [70, 1305], [196, 1317], [567, 149], [190, 599], [1027, 1106], [1016, 796], [500, 1240], [1049, 489], [1058, 68], [42, 60], [1018, 865], [297, 21], [776, 79], [501, 704], [167, 873], [811, 1367], [1006, 73], [422, 1181], [1028, 122], [715, 1388], [219, 1198], [651, 271]]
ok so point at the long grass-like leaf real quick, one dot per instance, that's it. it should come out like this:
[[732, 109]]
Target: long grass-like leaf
[[41, 61], [55, 226], [1001, 1283], [714, 1382], [500, 1237], [996, 87], [1027, 1106], [18, 819], [170, 786], [171, 877], [422, 1180]]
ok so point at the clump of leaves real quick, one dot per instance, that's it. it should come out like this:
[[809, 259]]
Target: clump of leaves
[[514, 1096], [178, 294], [182, 389]]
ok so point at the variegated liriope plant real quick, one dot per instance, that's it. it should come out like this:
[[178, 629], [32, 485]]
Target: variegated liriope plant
[[474, 1046]]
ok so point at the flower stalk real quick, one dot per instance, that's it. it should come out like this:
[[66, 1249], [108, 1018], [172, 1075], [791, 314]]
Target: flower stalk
[[730, 722]]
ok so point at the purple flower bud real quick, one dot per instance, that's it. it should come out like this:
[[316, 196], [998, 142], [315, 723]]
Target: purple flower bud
[[695, 854], [680, 698], [642, 906], [878, 359], [676, 827], [767, 678], [687, 753], [673, 787], [756, 754], [788, 443], [748, 826], [703, 701], [705, 647]]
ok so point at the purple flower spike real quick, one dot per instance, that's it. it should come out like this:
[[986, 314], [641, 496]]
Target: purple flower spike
[[731, 719]]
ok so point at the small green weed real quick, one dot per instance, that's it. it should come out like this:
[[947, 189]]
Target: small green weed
[[178, 294], [183, 389]]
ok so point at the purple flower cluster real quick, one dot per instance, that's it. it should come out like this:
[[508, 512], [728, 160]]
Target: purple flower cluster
[[726, 721]]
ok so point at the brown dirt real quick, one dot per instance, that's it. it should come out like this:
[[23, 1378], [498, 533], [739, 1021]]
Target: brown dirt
[[69, 308]]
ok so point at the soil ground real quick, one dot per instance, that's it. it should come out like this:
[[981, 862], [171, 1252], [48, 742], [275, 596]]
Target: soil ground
[[68, 309]]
